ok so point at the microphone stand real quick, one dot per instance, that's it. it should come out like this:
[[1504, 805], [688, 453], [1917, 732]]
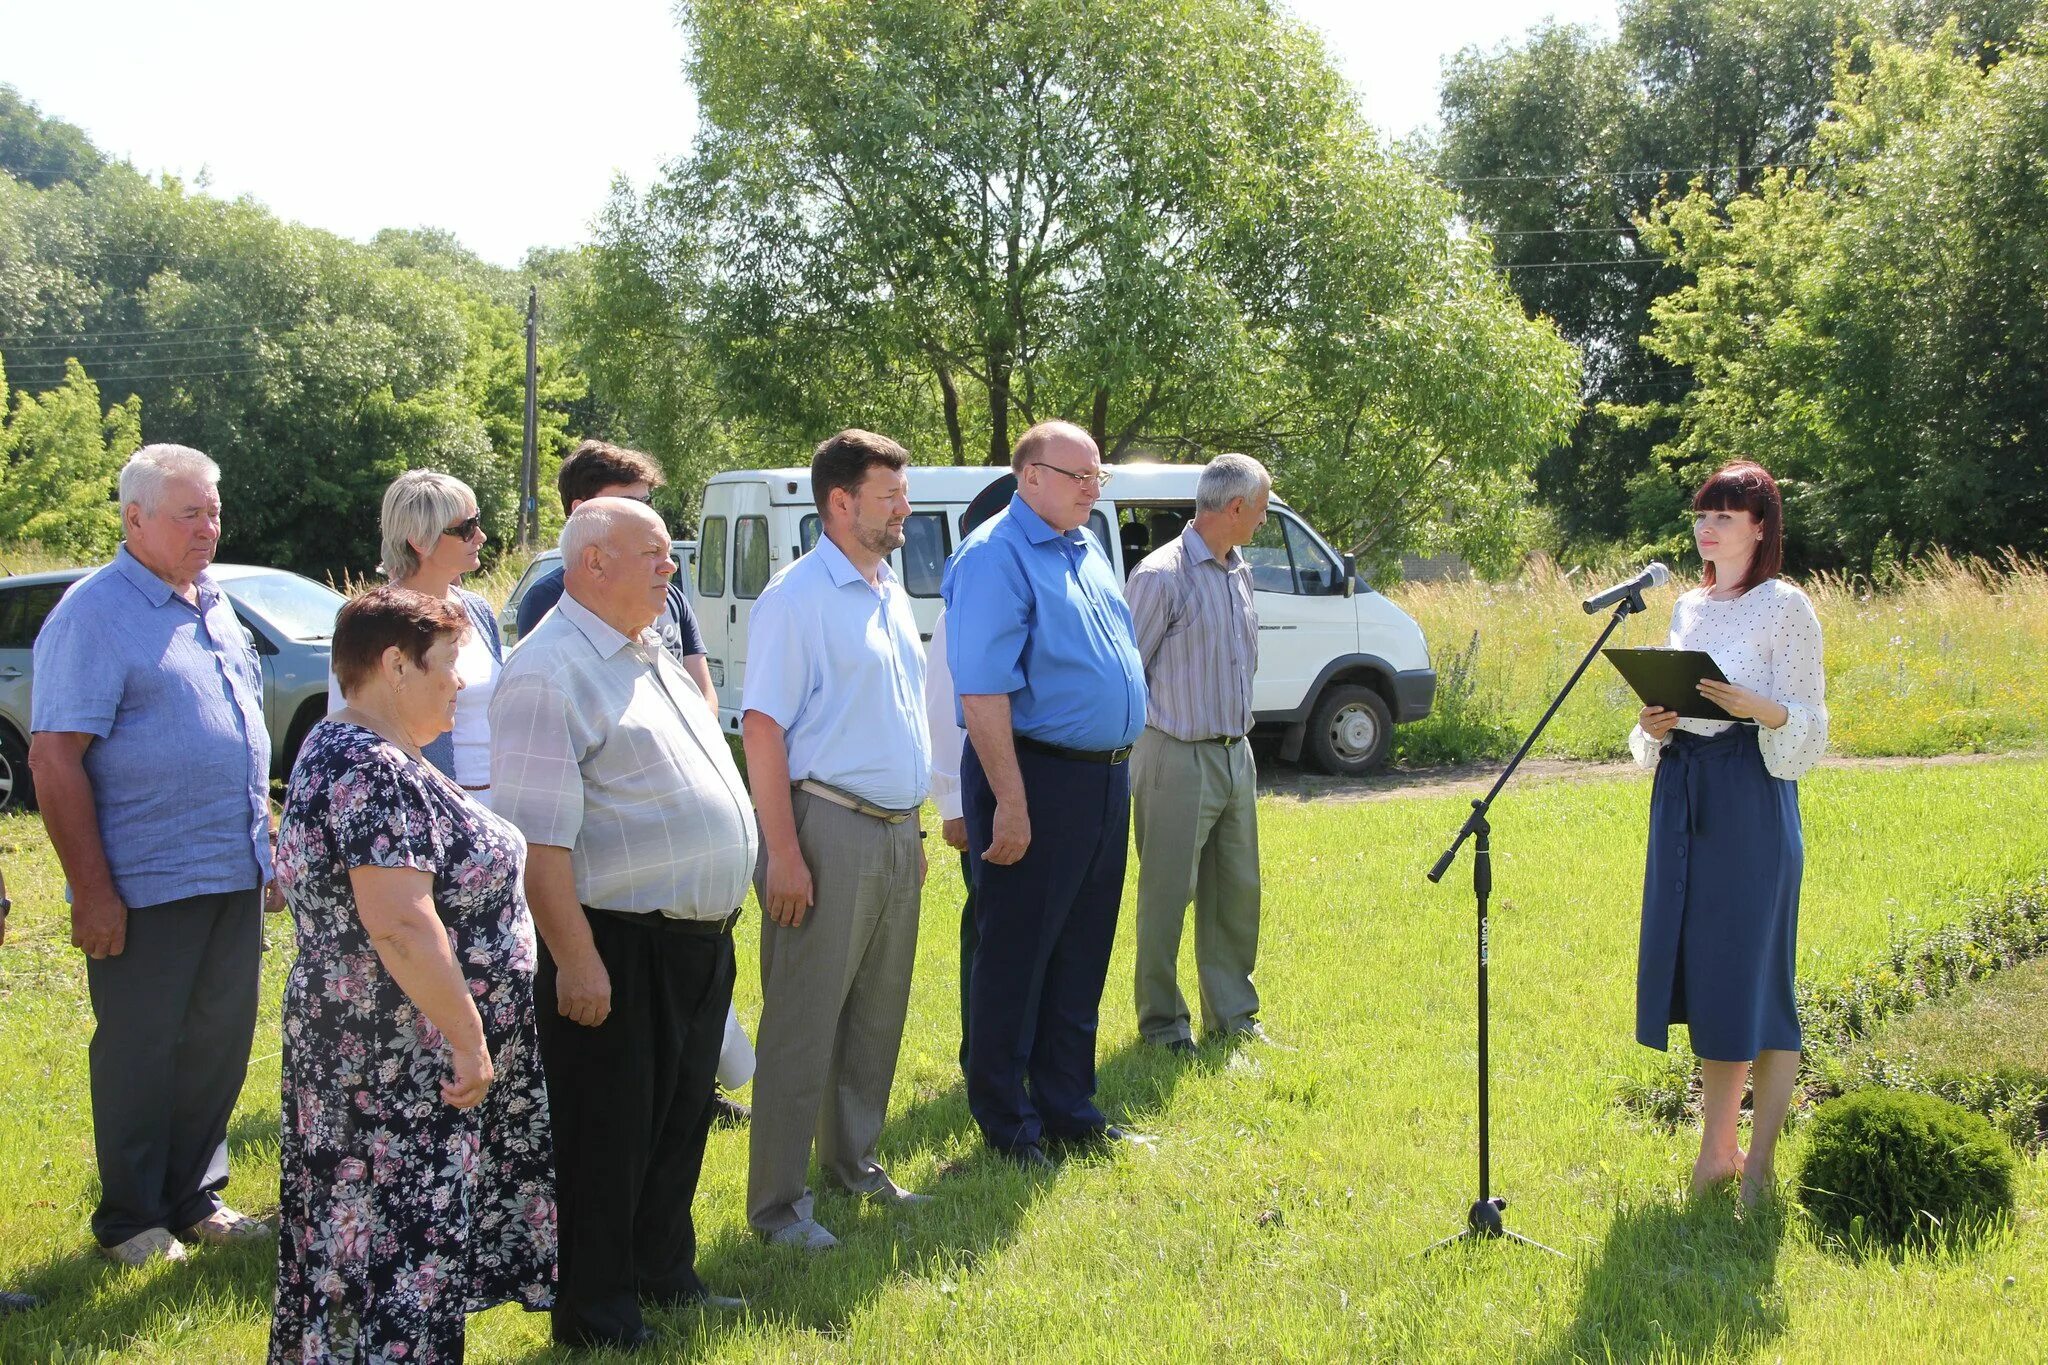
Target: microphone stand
[[1483, 1219]]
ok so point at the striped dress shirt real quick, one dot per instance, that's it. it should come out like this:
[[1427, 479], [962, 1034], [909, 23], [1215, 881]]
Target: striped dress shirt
[[1198, 633], [602, 745]]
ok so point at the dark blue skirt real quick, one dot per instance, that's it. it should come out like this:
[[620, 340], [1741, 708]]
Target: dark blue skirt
[[1720, 901]]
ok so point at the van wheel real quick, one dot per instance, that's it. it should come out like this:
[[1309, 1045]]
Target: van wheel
[[1349, 731], [17, 789]]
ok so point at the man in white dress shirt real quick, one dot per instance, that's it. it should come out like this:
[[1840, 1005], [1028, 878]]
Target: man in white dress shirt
[[839, 758], [640, 838]]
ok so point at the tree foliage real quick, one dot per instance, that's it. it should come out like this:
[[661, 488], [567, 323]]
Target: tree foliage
[[1161, 218], [312, 369], [60, 456], [1879, 326]]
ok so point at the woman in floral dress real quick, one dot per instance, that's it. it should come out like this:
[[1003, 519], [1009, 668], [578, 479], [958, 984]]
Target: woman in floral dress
[[417, 1180]]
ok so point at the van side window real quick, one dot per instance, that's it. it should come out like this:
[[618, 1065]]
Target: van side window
[[1272, 566], [749, 556], [926, 544], [711, 558], [1315, 572], [1098, 526], [808, 530]]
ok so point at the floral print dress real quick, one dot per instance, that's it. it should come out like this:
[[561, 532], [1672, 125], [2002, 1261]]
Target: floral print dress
[[401, 1213]]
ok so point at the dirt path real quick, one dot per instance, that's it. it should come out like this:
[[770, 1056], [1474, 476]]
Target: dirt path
[[1461, 779]]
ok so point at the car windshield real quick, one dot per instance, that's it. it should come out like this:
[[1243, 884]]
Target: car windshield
[[299, 607]]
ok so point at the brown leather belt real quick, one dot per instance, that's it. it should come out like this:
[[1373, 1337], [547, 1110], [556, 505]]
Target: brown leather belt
[[825, 792]]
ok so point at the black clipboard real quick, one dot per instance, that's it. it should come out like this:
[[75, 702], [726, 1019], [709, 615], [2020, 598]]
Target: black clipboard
[[1670, 678]]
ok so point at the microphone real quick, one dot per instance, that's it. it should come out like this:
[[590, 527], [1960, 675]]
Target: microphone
[[1655, 576]]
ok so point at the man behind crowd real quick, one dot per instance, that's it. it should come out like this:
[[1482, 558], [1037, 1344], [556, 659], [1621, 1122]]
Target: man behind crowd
[[840, 760], [1051, 694], [596, 469], [152, 766], [640, 840], [1194, 787]]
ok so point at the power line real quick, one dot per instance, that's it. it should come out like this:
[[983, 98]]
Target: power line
[[61, 338], [1640, 173], [1561, 265]]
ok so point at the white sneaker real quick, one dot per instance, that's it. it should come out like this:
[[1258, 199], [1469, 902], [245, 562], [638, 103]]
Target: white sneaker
[[224, 1227], [805, 1233], [144, 1246]]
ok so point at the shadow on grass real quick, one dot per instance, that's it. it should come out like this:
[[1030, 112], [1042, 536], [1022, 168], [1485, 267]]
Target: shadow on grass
[[92, 1306], [1690, 1282]]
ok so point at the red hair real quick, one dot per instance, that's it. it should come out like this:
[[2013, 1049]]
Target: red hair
[[1746, 486]]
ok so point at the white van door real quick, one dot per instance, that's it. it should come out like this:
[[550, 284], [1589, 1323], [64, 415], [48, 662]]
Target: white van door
[[1305, 620], [753, 564]]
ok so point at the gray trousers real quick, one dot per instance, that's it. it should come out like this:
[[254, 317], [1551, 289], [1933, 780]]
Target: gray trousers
[[174, 1016], [1195, 814], [834, 991]]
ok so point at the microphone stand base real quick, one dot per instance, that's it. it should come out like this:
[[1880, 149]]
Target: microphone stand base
[[1483, 1224]]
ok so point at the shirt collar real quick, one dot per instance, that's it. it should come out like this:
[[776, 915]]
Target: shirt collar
[[841, 568], [1197, 549], [603, 638], [156, 589], [1034, 527]]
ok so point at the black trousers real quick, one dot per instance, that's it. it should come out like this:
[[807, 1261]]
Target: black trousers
[[630, 1102], [174, 1015], [1045, 926]]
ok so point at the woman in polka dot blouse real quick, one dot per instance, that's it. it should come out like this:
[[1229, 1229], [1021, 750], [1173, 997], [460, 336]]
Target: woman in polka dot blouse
[[1721, 884]]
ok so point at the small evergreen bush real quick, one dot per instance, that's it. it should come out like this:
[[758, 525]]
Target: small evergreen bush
[[1895, 1167]]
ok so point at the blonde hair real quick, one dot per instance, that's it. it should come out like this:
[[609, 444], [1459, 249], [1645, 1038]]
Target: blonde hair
[[419, 506]]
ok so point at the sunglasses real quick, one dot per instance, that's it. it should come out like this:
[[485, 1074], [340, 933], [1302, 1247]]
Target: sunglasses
[[466, 528]]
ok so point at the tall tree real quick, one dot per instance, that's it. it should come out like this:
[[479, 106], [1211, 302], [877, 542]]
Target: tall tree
[[60, 455], [1162, 218], [1880, 326]]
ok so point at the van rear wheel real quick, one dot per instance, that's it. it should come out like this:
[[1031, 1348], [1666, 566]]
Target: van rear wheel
[[1349, 731]]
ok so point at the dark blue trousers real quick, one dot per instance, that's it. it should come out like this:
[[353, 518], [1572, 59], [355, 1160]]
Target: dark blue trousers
[[1044, 927]]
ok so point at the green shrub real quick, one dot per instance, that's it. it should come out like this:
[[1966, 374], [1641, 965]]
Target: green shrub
[[1895, 1167]]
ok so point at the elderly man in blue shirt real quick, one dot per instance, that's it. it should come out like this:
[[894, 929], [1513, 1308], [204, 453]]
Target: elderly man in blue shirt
[[839, 758], [1052, 695], [152, 764]]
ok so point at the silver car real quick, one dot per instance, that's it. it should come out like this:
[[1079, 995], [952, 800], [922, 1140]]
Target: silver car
[[684, 553], [290, 617]]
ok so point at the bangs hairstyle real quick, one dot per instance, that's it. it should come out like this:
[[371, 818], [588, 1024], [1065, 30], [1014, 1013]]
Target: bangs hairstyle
[[1746, 486], [843, 461], [385, 617]]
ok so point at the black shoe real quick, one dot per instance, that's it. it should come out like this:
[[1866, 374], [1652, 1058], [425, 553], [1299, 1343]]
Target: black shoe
[[1106, 1138], [1179, 1047], [727, 1112], [643, 1335], [1030, 1156], [11, 1302]]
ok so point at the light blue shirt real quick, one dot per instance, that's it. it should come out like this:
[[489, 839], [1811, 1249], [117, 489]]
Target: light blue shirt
[[180, 762], [1038, 615], [836, 662]]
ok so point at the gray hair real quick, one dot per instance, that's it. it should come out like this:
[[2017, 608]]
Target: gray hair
[[597, 521], [149, 472], [1227, 478], [419, 506]]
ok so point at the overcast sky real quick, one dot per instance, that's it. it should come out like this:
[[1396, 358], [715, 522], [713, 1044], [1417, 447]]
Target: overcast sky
[[505, 120]]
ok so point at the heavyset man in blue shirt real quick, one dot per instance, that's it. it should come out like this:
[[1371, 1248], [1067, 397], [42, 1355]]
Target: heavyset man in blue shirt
[[153, 767], [1052, 695], [839, 758]]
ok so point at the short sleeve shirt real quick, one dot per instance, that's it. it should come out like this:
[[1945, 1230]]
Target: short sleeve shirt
[[172, 693], [677, 627], [1036, 614]]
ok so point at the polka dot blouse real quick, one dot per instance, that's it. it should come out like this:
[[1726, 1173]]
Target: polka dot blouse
[[1767, 640]]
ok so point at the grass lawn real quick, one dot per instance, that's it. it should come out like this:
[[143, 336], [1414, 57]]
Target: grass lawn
[[1278, 1215]]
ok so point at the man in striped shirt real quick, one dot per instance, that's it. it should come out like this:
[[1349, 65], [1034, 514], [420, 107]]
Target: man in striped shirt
[[1193, 783]]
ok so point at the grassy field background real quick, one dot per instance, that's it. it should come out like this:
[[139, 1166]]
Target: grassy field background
[[1946, 659], [1278, 1215]]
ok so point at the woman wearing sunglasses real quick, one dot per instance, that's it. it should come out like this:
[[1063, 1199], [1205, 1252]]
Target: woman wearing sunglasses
[[433, 535]]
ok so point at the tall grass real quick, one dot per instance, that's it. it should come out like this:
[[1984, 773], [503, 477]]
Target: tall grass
[[1945, 658]]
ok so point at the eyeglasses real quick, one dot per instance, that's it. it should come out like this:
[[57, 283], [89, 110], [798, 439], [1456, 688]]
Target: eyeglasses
[[466, 528], [1098, 478]]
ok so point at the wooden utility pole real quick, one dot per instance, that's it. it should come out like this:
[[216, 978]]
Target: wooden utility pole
[[529, 456]]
